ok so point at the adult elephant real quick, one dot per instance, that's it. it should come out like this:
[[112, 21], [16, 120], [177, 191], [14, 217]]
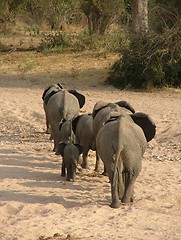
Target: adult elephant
[[121, 144], [102, 112], [47, 93], [61, 105]]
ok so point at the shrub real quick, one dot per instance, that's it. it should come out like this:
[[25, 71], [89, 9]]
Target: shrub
[[150, 61], [53, 40]]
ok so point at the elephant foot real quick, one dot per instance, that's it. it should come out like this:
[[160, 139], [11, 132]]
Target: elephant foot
[[51, 137], [70, 180], [48, 131], [104, 173], [55, 150], [115, 205], [126, 200], [84, 165], [63, 172], [97, 169]]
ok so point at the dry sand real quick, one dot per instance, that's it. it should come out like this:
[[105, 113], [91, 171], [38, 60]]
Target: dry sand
[[36, 201]]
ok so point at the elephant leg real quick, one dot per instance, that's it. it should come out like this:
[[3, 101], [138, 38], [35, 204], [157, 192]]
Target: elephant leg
[[55, 144], [48, 131], [129, 189], [56, 139], [71, 173], [121, 186], [51, 135], [114, 190], [68, 174], [84, 156], [97, 166], [48, 127], [63, 174], [105, 171]]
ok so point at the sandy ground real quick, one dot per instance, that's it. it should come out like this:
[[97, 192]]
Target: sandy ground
[[36, 202]]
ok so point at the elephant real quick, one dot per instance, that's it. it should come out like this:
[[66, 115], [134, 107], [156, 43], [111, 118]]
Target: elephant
[[121, 143], [82, 127], [70, 153], [48, 92], [102, 112], [100, 105], [62, 105], [65, 131]]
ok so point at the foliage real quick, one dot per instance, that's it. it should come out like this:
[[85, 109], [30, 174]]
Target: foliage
[[100, 14], [150, 61], [53, 40], [58, 42], [27, 65], [163, 14], [53, 12], [56, 12]]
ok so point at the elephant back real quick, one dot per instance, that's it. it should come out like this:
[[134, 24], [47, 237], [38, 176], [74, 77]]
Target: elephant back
[[50, 91], [69, 105]]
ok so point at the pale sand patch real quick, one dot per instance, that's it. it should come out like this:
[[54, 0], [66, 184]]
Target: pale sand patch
[[35, 200]]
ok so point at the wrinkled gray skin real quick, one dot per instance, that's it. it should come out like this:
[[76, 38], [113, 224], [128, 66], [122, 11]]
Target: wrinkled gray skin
[[65, 131], [70, 153], [101, 113], [83, 130], [45, 96], [121, 144], [62, 105]]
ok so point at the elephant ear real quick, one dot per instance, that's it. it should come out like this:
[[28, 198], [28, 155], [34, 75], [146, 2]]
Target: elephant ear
[[60, 150], [44, 93], [74, 123], [98, 106], [126, 105], [146, 123], [80, 97], [79, 147]]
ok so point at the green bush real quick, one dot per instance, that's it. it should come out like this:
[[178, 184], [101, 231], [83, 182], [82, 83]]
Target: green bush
[[150, 61], [53, 40]]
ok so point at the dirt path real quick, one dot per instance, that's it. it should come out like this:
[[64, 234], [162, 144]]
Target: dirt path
[[36, 201]]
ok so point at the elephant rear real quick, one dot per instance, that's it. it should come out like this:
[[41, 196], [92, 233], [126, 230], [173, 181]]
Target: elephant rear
[[62, 105], [83, 129], [120, 145]]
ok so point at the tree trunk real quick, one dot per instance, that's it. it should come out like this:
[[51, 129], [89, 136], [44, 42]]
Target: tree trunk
[[139, 12]]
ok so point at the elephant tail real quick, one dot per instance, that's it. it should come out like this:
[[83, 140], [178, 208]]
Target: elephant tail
[[118, 163], [118, 167]]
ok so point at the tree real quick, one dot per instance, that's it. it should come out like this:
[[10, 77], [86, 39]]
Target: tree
[[139, 13], [100, 14]]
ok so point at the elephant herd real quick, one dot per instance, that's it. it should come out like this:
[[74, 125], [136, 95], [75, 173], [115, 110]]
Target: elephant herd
[[117, 134]]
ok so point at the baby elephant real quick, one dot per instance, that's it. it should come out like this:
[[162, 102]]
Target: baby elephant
[[70, 153], [82, 127], [65, 131]]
